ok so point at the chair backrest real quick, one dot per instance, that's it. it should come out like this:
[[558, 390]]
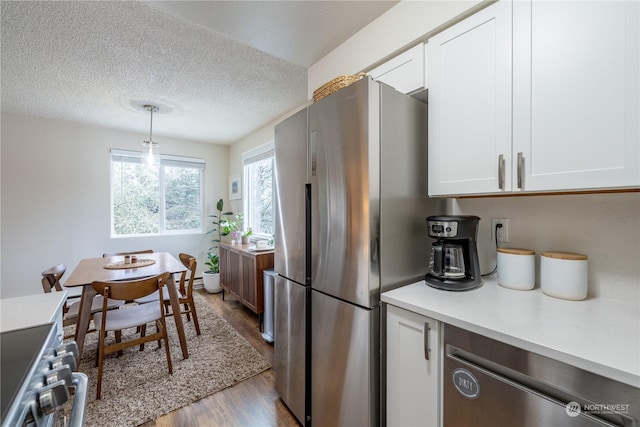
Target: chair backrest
[[128, 290], [145, 251], [191, 264], [51, 278]]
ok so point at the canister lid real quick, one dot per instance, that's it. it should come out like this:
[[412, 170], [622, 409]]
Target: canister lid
[[565, 255], [516, 251]]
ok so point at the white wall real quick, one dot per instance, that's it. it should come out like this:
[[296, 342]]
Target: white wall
[[56, 197], [605, 227]]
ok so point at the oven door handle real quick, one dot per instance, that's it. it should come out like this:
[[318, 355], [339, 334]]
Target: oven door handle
[[81, 384]]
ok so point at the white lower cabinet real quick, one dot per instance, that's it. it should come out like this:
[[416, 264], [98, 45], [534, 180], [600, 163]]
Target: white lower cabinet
[[413, 366]]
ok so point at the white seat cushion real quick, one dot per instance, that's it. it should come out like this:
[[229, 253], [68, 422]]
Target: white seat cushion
[[154, 296], [128, 317], [96, 306]]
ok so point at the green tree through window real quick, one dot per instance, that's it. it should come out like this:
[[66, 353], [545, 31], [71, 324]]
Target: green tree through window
[[259, 194], [155, 199]]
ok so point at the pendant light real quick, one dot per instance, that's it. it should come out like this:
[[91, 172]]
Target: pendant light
[[151, 144]]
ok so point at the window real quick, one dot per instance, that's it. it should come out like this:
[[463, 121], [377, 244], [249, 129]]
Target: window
[[164, 198], [258, 190]]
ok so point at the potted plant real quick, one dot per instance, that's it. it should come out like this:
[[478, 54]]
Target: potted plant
[[211, 277], [246, 236], [221, 227]]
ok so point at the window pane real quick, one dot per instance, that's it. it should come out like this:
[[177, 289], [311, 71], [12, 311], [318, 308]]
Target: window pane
[[182, 198], [154, 199], [136, 199], [260, 200]]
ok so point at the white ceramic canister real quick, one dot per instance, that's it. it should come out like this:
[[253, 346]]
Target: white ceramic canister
[[564, 275], [516, 268]]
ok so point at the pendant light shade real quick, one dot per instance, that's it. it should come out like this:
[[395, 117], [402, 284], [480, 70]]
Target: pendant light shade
[[151, 144]]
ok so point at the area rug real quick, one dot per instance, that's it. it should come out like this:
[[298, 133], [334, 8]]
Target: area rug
[[137, 387]]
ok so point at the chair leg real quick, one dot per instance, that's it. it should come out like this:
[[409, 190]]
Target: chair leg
[[100, 364], [187, 310], [143, 331], [195, 317], [119, 340], [100, 338], [158, 326], [163, 326]]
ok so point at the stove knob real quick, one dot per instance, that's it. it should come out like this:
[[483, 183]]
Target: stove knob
[[53, 396], [68, 347], [62, 373], [64, 359]]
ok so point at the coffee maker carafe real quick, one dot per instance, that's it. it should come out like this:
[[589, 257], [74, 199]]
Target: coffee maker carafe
[[453, 265]]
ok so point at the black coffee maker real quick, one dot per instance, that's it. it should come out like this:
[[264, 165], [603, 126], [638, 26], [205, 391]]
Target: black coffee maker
[[453, 265]]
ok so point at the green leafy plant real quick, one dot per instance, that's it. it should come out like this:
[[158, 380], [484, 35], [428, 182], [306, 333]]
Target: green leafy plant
[[247, 233], [213, 262], [221, 227]]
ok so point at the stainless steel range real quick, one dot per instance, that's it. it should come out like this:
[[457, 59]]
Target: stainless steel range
[[37, 378]]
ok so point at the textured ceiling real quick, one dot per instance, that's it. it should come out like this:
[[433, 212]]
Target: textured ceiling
[[217, 70]]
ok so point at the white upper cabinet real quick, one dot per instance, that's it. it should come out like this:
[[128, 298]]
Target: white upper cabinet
[[572, 120], [405, 73], [576, 94], [469, 73]]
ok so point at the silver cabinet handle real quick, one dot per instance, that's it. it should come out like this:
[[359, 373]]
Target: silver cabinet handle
[[520, 170], [426, 340], [501, 172]]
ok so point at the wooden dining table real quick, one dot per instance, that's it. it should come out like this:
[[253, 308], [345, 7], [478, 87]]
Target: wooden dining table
[[89, 270]]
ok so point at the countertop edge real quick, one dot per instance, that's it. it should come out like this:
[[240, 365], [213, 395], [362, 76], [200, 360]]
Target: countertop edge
[[30, 310], [477, 324]]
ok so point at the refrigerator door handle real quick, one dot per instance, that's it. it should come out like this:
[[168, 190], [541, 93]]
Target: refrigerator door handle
[[314, 151]]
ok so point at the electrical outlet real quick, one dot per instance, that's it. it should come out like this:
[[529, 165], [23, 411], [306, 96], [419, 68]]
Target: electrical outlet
[[502, 232]]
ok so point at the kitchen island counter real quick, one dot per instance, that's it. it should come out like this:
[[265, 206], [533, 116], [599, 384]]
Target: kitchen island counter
[[598, 335]]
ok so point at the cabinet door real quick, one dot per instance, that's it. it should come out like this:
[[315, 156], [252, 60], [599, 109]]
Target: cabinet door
[[412, 379], [249, 281], [405, 73], [469, 71], [235, 274], [576, 94], [224, 268]]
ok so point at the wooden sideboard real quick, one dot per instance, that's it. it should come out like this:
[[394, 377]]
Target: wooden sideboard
[[241, 274]]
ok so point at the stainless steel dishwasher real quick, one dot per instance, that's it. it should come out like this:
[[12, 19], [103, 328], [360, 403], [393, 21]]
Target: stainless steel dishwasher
[[490, 383]]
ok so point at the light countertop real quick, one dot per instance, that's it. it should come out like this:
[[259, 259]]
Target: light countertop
[[31, 310], [598, 335]]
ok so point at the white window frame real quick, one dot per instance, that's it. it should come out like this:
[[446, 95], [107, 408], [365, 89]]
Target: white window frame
[[251, 156], [164, 160]]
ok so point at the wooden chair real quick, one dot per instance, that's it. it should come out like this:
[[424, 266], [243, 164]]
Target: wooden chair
[[136, 316], [145, 251], [185, 292], [51, 283]]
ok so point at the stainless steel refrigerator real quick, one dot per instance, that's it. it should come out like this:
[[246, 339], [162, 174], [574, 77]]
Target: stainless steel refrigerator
[[351, 181]]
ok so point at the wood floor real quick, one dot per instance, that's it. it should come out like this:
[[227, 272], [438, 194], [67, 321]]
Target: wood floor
[[253, 402]]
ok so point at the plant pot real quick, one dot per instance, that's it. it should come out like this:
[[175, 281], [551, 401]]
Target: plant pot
[[211, 282], [246, 240]]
